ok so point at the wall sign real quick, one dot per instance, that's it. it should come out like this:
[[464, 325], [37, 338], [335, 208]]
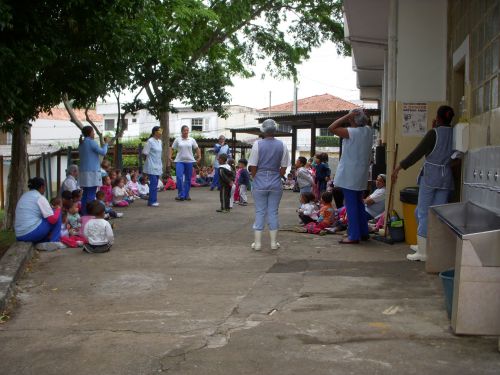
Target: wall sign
[[414, 119]]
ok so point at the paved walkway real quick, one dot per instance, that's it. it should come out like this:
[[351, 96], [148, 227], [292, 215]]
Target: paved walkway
[[181, 292]]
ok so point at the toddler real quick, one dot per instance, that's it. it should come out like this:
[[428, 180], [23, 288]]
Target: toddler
[[98, 231], [289, 182], [107, 189], [243, 181], [109, 212], [322, 172], [143, 187], [67, 200], [66, 237], [133, 186], [74, 220], [76, 196], [226, 182], [169, 183], [305, 179], [120, 196], [307, 211], [325, 218]]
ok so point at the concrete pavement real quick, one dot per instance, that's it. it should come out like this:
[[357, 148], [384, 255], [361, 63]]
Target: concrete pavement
[[181, 292]]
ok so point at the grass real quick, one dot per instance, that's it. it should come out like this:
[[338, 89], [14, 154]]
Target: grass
[[7, 237]]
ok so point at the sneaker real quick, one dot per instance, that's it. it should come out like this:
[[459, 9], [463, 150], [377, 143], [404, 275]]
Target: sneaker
[[119, 214], [156, 204], [50, 246]]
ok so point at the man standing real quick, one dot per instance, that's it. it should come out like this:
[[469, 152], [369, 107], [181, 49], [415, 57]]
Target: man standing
[[219, 149]]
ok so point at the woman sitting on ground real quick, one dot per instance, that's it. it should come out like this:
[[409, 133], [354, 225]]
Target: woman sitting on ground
[[36, 221]]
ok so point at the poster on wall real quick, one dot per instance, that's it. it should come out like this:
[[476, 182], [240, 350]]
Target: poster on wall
[[414, 119]]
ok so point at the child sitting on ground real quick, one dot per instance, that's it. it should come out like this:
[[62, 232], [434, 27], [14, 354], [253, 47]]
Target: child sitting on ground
[[133, 186], [67, 200], [307, 211], [109, 212], [76, 196], [143, 187], [339, 221], [226, 175], [289, 182], [120, 196], [325, 218], [74, 220], [169, 183], [98, 231], [107, 189], [66, 238]]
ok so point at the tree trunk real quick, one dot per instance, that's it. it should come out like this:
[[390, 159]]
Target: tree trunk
[[165, 138], [18, 172]]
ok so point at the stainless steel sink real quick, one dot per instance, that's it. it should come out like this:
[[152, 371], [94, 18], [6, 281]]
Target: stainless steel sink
[[467, 219]]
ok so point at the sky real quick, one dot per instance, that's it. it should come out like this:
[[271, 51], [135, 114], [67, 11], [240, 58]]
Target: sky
[[324, 72]]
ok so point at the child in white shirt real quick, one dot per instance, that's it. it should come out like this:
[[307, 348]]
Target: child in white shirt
[[98, 231], [143, 188], [307, 211]]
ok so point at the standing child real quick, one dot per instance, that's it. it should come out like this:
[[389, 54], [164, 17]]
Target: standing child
[[226, 177], [322, 172], [98, 231], [305, 179], [243, 181], [233, 186], [307, 211]]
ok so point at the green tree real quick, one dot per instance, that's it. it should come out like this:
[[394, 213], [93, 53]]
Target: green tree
[[197, 47], [53, 50]]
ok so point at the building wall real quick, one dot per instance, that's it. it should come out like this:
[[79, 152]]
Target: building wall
[[420, 77]]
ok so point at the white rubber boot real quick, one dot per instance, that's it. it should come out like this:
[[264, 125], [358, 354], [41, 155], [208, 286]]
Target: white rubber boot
[[274, 244], [421, 253], [257, 244], [414, 247]]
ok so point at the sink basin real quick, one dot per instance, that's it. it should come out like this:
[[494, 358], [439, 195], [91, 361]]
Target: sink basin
[[467, 219]]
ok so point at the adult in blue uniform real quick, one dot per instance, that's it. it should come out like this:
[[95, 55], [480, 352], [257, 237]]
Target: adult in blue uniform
[[268, 162], [353, 169], [153, 166], [90, 165], [435, 179], [220, 148]]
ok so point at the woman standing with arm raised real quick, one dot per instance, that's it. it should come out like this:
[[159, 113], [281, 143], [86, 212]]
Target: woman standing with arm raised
[[185, 146], [268, 162], [153, 166], [90, 165], [353, 169]]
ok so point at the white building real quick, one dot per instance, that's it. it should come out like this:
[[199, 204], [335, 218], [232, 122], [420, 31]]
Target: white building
[[207, 123]]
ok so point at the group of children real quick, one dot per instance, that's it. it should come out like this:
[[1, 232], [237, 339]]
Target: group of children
[[234, 183]]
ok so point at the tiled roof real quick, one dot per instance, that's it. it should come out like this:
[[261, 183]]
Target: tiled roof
[[62, 114], [316, 103]]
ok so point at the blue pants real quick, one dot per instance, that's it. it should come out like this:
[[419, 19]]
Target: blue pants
[[428, 197], [215, 181], [183, 171], [356, 215], [153, 189], [45, 232], [266, 205], [87, 197]]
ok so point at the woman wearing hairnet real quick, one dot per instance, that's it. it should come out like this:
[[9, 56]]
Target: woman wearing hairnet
[[268, 162], [353, 169]]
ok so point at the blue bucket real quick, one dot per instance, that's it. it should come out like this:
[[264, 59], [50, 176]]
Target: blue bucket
[[448, 277]]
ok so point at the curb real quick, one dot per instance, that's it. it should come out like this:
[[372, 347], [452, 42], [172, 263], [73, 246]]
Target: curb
[[12, 267]]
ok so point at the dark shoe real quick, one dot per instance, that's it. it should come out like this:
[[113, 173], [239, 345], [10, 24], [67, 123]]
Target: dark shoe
[[219, 210], [212, 188], [347, 241], [365, 238], [188, 198], [179, 199]]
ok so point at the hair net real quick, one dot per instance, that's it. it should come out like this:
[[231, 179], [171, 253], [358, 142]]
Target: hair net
[[268, 126]]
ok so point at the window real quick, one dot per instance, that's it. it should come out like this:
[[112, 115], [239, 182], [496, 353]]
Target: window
[[134, 120], [197, 124], [109, 125]]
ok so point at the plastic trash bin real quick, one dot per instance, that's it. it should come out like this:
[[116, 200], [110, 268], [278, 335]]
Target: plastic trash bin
[[409, 197], [448, 278]]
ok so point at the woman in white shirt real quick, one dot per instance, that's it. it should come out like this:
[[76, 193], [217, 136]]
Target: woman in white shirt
[[153, 166], [352, 172], [185, 147]]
